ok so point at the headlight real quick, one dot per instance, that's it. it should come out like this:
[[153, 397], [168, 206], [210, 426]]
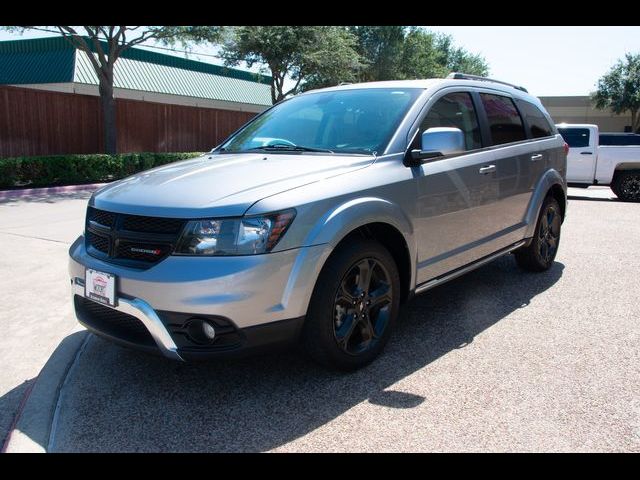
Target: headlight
[[234, 236]]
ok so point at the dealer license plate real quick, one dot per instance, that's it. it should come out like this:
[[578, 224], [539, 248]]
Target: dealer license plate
[[100, 287]]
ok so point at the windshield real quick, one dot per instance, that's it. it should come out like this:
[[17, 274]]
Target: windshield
[[343, 121]]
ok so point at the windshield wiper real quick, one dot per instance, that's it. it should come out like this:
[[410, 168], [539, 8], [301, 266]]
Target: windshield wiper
[[288, 148]]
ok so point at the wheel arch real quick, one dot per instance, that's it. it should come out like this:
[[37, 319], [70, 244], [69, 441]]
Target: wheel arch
[[372, 218], [551, 183], [625, 166]]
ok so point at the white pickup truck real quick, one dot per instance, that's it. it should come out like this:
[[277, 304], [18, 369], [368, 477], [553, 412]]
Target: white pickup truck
[[603, 159]]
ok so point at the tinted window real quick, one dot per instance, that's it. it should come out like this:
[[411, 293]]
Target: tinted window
[[455, 110], [344, 121], [620, 140], [504, 120], [539, 126], [575, 137]]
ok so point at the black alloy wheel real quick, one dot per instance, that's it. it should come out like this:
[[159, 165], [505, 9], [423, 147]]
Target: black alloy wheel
[[362, 306], [354, 306], [539, 254], [549, 233]]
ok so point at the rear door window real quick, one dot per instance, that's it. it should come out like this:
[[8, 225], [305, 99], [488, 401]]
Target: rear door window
[[575, 137], [504, 120], [538, 124]]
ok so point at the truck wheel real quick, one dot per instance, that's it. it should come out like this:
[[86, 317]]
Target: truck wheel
[[626, 185], [539, 255], [354, 306]]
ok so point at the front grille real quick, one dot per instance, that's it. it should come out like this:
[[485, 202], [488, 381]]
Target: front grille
[[98, 242], [112, 322], [136, 223], [131, 240], [101, 216]]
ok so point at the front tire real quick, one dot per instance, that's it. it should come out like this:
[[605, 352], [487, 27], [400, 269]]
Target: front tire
[[626, 185], [354, 306], [539, 255]]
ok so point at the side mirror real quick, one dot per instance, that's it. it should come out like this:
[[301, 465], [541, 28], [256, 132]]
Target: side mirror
[[438, 142]]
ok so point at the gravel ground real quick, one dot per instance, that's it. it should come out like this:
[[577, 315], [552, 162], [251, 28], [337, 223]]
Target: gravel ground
[[498, 360]]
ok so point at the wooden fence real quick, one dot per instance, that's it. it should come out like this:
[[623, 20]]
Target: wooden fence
[[38, 122]]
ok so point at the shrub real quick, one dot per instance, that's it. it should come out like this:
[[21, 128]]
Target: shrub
[[77, 169]]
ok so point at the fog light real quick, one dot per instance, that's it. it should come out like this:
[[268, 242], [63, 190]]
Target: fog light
[[201, 331], [208, 330]]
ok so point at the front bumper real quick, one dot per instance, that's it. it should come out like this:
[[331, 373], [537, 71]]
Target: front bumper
[[261, 299]]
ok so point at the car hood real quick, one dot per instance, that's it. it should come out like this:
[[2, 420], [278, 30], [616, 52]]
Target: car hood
[[220, 184]]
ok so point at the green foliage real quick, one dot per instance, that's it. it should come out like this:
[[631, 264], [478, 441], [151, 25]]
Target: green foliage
[[413, 53], [619, 89], [302, 53], [382, 47], [316, 56], [78, 169]]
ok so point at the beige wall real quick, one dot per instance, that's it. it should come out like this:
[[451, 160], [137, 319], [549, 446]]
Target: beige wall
[[579, 110]]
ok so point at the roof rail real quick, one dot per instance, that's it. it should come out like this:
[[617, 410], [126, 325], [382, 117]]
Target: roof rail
[[466, 76]]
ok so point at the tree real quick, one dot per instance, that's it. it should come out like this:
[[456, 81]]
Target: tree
[[428, 55], [619, 89], [108, 43], [307, 55], [382, 48], [402, 52]]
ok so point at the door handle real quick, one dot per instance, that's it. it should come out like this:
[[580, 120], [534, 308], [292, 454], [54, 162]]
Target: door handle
[[586, 153], [536, 157], [487, 169]]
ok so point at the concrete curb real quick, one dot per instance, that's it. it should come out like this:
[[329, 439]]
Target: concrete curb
[[31, 192], [32, 432]]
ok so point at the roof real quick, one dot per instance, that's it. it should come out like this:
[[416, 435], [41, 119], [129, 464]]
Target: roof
[[436, 84], [55, 60]]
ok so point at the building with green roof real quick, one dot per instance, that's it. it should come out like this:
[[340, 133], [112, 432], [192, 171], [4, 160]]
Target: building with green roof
[[52, 63], [49, 100]]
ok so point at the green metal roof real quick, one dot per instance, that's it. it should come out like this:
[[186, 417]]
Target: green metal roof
[[54, 60]]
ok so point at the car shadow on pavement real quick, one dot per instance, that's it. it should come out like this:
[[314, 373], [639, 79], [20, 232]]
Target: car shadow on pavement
[[10, 404], [122, 400]]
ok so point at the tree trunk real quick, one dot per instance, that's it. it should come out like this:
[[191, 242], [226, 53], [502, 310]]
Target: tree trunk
[[108, 104], [635, 121]]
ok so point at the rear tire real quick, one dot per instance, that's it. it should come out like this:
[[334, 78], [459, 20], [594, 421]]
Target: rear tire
[[539, 255], [354, 306], [626, 185]]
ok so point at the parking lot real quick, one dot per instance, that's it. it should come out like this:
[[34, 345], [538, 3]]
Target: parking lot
[[497, 360]]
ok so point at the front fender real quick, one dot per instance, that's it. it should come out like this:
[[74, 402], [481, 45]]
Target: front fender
[[348, 216], [550, 178], [343, 219]]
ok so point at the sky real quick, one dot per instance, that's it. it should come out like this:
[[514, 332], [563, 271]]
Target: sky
[[548, 61]]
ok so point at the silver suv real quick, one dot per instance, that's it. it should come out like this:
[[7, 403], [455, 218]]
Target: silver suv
[[317, 219]]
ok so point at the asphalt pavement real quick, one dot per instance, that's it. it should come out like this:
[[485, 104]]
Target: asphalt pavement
[[497, 360]]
